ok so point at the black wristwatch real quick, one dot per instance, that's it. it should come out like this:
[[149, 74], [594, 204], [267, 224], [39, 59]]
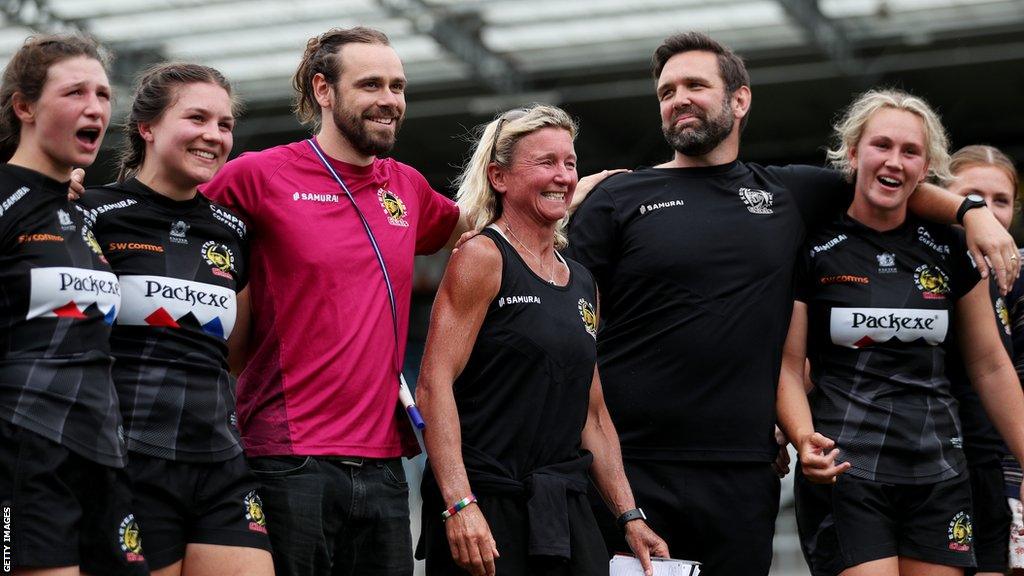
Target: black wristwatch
[[629, 516], [971, 201]]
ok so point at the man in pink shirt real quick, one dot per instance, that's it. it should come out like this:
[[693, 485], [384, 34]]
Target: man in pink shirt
[[318, 399]]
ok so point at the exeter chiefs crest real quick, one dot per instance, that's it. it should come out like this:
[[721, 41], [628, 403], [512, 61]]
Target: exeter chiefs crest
[[254, 512], [757, 201], [220, 257], [1003, 315], [131, 542], [960, 532], [932, 282], [589, 317], [393, 207], [90, 241]]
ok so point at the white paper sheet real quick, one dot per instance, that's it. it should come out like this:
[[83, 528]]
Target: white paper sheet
[[629, 566]]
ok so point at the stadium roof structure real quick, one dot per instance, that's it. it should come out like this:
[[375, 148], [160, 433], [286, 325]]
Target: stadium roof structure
[[470, 58]]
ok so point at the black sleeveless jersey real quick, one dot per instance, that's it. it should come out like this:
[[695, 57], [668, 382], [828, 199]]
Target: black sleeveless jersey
[[524, 393], [180, 264], [982, 442], [880, 309], [58, 298]]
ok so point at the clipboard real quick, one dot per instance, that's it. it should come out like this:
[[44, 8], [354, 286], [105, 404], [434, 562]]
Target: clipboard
[[621, 565]]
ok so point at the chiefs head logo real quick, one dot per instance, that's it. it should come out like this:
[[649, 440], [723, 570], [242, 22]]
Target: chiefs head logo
[[960, 532], [254, 512], [589, 317], [931, 281], [393, 207], [218, 255], [131, 542], [90, 241]]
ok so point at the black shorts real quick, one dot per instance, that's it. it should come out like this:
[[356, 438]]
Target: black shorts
[[181, 503], [856, 521], [991, 519], [721, 514], [60, 509]]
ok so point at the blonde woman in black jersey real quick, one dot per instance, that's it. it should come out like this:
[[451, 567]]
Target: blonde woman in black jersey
[[877, 293], [508, 387]]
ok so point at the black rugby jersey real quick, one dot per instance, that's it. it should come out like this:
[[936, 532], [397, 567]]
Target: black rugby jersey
[[695, 269], [982, 442], [58, 298], [524, 393], [880, 309], [180, 264]]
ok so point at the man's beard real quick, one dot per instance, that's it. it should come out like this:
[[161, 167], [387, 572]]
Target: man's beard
[[353, 127], [698, 141]]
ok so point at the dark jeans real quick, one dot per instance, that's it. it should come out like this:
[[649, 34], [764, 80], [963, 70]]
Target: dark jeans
[[336, 516]]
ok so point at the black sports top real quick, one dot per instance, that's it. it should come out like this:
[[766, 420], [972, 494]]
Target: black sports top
[[880, 309], [523, 400], [180, 264], [695, 268], [58, 298], [524, 393]]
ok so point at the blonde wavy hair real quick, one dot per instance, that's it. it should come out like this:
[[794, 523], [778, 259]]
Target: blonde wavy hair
[[496, 143], [850, 128]]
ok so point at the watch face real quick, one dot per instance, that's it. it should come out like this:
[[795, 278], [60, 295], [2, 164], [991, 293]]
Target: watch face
[[975, 198]]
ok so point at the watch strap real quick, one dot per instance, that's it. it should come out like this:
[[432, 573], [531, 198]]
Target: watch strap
[[968, 204], [629, 516]]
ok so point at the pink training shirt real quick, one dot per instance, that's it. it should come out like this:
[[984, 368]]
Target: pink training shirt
[[321, 374]]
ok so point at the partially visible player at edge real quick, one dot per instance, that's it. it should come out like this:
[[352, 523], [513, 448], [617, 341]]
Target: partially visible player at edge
[[180, 260], [62, 457], [988, 174], [694, 259]]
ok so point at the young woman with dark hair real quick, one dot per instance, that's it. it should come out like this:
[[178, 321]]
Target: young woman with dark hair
[[181, 262], [62, 457]]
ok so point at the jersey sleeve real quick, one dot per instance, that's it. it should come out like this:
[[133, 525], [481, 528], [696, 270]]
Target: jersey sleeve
[[237, 186], [437, 218], [965, 274], [9, 220], [820, 194], [803, 276], [594, 235], [242, 276]]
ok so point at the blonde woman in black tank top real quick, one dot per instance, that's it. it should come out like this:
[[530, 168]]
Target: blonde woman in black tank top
[[508, 387]]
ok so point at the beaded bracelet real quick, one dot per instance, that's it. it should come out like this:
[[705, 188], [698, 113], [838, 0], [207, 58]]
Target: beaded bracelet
[[457, 507]]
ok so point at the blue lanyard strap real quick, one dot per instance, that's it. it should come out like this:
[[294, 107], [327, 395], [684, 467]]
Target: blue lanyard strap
[[404, 395]]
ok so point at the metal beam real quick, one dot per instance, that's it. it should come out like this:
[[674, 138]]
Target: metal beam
[[37, 15], [459, 34], [128, 59], [826, 33]]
